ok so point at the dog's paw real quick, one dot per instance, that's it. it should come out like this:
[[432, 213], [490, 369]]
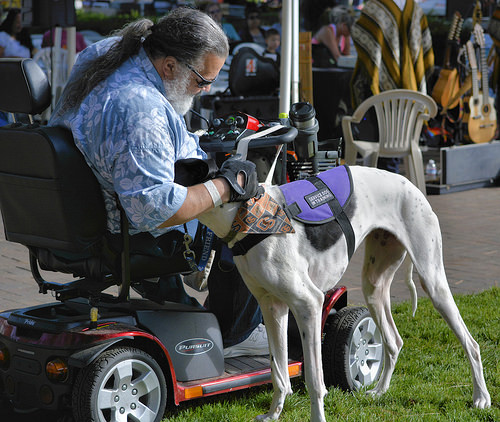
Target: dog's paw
[[267, 417], [375, 392], [482, 401]]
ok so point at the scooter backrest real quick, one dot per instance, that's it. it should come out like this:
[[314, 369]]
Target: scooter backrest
[[25, 88], [49, 196]]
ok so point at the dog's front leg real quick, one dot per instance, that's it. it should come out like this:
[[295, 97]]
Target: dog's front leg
[[275, 314], [307, 311]]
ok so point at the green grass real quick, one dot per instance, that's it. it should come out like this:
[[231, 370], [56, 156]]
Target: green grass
[[432, 380]]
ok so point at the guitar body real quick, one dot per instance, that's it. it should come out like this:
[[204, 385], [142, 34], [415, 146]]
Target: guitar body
[[482, 122], [448, 83], [446, 87]]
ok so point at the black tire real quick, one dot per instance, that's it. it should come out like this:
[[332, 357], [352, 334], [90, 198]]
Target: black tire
[[353, 353], [114, 380]]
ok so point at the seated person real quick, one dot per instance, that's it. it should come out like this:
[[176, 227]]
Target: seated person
[[15, 41], [48, 40], [253, 32], [333, 38], [124, 103], [273, 40], [214, 10]]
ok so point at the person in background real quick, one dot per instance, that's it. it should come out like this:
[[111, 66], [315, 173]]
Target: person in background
[[404, 60], [15, 41], [214, 10], [333, 38], [48, 40], [253, 32], [125, 103], [273, 40]]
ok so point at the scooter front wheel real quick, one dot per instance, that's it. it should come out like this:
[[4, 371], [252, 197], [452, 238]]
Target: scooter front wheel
[[122, 384]]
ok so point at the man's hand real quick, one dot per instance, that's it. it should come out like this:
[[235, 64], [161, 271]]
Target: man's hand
[[230, 170]]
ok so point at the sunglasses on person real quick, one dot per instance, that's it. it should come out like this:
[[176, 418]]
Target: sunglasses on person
[[253, 17], [204, 82]]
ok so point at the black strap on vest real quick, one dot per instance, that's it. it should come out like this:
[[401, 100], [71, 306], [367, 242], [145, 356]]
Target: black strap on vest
[[339, 215], [244, 245]]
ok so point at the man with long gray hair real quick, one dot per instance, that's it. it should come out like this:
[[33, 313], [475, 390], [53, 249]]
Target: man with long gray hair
[[124, 103]]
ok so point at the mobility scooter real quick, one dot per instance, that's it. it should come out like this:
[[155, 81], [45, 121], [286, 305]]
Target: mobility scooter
[[96, 353]]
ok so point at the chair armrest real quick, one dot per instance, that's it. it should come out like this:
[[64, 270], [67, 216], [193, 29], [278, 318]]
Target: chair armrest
[[350, 150]]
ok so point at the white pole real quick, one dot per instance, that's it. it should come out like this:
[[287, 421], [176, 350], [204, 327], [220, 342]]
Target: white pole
[[295, 51], [71, 47], [286, 56]]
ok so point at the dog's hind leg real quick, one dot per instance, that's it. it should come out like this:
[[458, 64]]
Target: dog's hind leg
[[383, 256], [275, 313], [434, 283], [425, 247]]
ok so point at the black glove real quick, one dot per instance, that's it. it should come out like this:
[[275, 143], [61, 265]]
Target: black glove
[[230, 170]]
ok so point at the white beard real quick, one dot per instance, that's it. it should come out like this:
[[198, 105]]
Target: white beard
[[176, 93]]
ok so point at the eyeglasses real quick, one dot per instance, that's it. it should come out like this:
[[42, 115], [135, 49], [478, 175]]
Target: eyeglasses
[[214, 12], [204, 82], [253, 17]]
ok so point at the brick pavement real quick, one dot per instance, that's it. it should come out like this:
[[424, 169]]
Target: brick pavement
[[470, 223]]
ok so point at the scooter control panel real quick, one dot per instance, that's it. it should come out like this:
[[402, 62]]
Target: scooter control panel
[[225, 131]]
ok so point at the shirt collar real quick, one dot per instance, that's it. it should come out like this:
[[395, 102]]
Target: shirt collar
[[150, 71]]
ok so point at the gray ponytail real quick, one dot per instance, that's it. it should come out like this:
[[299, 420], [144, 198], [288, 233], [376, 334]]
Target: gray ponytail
[[186, 34], [103, 66]]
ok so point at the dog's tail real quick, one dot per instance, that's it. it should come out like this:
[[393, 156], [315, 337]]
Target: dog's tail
[[410, 284]]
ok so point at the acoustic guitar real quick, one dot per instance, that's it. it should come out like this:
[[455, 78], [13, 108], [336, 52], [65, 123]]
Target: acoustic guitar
[[482, 120], [448, 83], [474, 101]]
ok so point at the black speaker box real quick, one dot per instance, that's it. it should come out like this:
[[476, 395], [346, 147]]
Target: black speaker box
[[50, 13], [465, 7]]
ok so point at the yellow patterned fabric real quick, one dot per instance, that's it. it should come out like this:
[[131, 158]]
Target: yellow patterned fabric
[[494, 31], [394, 49], [261, 215]]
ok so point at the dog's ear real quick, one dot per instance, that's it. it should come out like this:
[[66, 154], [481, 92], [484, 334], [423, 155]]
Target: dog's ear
[[192, 171]]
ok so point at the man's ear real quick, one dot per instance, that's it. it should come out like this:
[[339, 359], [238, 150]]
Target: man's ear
[[169, 67]]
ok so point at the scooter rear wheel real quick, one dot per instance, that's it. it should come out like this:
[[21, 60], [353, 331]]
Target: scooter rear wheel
[[353, 353], [122, 384]]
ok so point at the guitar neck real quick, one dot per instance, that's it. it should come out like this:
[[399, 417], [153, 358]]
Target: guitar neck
[[484, 76], [474, 73], [452, 39]]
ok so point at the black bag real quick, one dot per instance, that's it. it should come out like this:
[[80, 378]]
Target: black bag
[[321, 56], [251, 74]]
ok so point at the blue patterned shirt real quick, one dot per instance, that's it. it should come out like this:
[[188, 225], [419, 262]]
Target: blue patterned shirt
[[131, 137]]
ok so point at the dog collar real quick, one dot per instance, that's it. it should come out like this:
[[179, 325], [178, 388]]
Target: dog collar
[[259, 218]]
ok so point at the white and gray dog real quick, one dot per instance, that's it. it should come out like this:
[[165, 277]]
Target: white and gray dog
[[294, 270]]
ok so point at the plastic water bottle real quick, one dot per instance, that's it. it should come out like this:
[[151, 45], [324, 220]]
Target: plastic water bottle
[[431, 170]]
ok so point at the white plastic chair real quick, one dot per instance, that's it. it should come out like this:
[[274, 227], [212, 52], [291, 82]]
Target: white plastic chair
[[400, 115]]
